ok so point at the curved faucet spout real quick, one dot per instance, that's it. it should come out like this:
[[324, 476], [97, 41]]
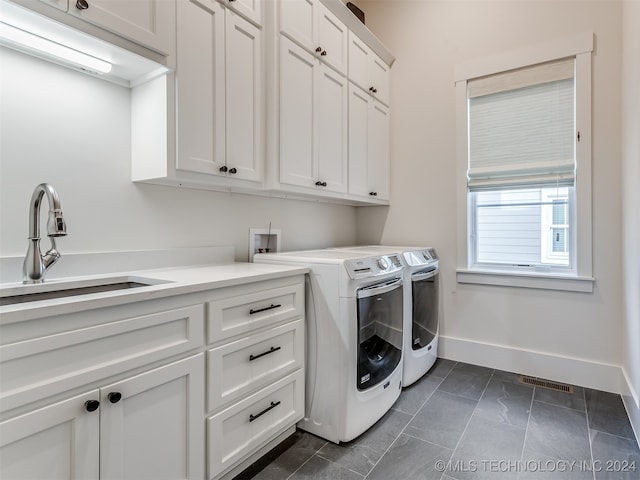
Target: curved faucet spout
[[35, 264]]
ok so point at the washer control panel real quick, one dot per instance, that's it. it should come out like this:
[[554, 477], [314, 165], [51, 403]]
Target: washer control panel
[[373, 266]]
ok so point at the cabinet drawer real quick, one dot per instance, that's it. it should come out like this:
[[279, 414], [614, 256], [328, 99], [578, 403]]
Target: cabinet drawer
[[253, 310], [239, 367], [241, 429], [36, 368]]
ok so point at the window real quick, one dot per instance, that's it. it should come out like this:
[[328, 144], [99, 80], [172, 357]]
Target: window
[[524, 227], [524, 162]]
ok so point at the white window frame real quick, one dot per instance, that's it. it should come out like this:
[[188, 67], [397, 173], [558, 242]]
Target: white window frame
[[580, 278]]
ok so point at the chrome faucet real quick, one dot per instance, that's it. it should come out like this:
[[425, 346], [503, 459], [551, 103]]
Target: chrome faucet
[[35, 264]]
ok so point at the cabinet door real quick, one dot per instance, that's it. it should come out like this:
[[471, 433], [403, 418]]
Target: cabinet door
[[200, 86], [251, 9], [59, 4], [359, 102], [379, 75], [298, 164], [378, 169], [331, 119], [244, 98], [332, 40], [298, 21], [147, 22], [57, 442], [359, 58], [151, 425]]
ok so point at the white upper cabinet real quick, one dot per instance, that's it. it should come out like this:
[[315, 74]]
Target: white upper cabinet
[[244, 109], [332, 40], [299, 21], [313, 122], [368, 146], [147, 22], [250, 9], [312, 26], [219, 92], [378, 150], [298, 162], [367, 70], [60, 4], [331, 145], [200, 87]]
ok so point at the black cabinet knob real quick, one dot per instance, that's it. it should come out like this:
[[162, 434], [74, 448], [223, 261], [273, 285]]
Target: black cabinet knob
[[233, 171], [373, 194], [91, 405], [223, 169], [321, 184], [114, 397], [318, 50], [324, 53], [82, 4]]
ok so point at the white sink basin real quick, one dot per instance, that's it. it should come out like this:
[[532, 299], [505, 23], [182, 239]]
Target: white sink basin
[[61, 289]]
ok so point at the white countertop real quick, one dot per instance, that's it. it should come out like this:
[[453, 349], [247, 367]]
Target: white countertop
[[168, 282]]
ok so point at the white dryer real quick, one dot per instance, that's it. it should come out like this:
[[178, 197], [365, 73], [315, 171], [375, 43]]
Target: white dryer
[[421, 300], [354, 313]]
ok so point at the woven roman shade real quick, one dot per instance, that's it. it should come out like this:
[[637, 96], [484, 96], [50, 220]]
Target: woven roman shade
[[522, 128]]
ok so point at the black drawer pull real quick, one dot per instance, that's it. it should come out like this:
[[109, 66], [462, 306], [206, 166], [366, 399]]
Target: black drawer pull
[[271, 350], [270, 307], [270, 407]]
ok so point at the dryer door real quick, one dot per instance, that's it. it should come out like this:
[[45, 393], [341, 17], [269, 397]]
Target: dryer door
[[424, 289], [379, 331]]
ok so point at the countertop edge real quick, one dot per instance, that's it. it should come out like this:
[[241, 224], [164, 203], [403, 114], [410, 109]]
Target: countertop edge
[[175, 281]]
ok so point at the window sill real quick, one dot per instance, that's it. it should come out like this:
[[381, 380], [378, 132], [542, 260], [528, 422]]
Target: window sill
[[526, 280]]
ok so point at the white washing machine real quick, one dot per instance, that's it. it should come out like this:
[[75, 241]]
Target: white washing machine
[[421, 299], [354, 315]]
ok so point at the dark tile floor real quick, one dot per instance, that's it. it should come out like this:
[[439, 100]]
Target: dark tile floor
[[462, 422]]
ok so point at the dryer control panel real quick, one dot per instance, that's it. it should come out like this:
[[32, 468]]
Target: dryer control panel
[[374, 266], [424, 256]]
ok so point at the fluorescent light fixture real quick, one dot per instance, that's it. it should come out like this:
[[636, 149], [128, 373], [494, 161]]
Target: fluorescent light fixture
[[28, 42]]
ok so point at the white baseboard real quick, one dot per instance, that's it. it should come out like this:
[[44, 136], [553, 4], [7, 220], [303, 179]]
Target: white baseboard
[[632, 404], [585, 373]]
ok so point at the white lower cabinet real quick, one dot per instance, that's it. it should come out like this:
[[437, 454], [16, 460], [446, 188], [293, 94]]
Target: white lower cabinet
[[58, 442], [151, 424], [255, 370], [245, 426], [118, 393], [240, 367], [145, 427]]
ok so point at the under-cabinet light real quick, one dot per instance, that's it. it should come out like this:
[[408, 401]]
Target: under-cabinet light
[[23, 40]]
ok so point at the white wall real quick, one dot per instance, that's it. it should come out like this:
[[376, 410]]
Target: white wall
[[631, 204], [73, 131], [574, 337]]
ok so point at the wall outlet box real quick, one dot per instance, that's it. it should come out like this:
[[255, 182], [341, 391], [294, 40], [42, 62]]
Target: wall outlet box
[[263, 240]]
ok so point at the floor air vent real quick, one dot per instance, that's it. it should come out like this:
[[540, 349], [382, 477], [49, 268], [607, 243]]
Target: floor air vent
[[537, 382]]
